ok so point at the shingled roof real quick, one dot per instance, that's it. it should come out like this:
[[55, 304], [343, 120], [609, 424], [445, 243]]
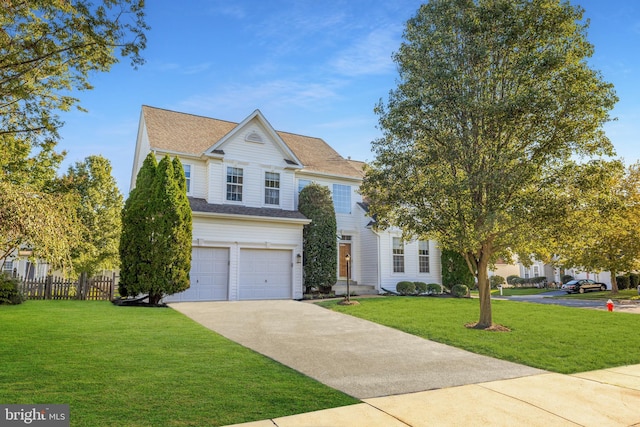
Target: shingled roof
[[190, 134], [201, 205]]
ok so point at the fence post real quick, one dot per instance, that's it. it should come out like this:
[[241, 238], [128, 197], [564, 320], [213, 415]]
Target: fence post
[[113, 285], [47, 287]]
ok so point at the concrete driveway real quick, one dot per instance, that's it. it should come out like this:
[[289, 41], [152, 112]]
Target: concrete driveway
[[358, 357]]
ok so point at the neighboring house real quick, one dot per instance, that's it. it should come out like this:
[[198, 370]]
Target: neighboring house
[[18, 264], [540, 269], [243, 181]]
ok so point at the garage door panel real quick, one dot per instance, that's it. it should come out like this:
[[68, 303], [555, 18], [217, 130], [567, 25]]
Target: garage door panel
[[265, 274], [209, 276]]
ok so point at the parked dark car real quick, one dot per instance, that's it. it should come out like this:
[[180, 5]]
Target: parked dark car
[[583, 285]]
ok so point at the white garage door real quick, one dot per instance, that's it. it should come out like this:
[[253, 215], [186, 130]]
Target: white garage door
[[265, 274], [209, 276]]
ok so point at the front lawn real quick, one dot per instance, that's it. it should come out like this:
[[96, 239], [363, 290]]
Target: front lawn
[[555, 338], [129, 366], [509, 292]]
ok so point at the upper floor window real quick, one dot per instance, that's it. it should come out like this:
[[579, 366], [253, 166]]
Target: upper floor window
[[272, 188], [234, 184], [187, 175], [342, 198], [398, 255], [302, 183], [423, 256]]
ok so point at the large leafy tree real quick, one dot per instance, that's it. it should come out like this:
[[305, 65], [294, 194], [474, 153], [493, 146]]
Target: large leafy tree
[[609, 224], [44, 222], [319, 237], [49, 47], [493, 97], [155, 246], [98, 210]]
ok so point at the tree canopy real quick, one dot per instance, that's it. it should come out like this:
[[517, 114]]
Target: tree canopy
[[49, 48], [493, 97], [606, 211], [98, 211]]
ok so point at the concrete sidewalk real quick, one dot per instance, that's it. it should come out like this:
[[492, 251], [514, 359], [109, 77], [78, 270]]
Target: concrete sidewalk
[[609, 397], [361, 358]]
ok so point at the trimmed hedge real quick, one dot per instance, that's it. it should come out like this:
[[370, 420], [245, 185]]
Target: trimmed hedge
[[434, 288], [624, 282], [421, 287], [459, 291], [406, 288]]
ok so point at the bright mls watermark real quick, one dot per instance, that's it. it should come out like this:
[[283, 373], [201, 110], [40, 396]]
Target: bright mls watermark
[[34, 415]]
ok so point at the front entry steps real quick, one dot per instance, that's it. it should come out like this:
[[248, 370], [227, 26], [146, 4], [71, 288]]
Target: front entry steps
[[340, 288]]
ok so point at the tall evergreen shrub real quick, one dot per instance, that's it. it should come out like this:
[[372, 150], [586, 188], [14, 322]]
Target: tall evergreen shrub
[[319, 238], [155, 247]]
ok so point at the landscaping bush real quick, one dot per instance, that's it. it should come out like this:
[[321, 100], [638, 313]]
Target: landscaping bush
[[434, 288], [623, 282], [405, 288], [513, 279], [9, 291], [634, 280], [496, 281], [421, 287], [459, 291]]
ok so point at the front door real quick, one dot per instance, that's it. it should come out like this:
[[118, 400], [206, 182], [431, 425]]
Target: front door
[[345, 249]]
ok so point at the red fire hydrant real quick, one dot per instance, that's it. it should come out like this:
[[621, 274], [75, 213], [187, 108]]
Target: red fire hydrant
[[610, 305]]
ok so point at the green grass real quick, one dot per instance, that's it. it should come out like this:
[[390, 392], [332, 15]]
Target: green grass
[[126, 366], [625, 294], [555, 338], [509, 292]]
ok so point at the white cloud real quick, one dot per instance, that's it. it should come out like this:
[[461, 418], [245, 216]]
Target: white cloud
[[369, 55], [275, 94]]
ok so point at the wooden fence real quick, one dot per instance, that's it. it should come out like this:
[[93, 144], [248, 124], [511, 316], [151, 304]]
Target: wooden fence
[[95, 288]]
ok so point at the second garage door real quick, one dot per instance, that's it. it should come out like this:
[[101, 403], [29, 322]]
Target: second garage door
[[265, 274]]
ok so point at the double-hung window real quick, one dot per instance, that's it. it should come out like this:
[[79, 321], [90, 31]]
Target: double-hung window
[[398, 255], [423, 256], [234, 184], [342, 198], [271, 188], [187, 176]]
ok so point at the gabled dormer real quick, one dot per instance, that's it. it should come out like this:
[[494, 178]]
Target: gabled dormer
[[254, 139]]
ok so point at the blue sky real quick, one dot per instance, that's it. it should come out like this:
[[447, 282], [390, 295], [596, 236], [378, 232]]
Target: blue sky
[[313, 68]]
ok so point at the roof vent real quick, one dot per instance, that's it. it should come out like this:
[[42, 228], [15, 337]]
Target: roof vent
[[254, 137]]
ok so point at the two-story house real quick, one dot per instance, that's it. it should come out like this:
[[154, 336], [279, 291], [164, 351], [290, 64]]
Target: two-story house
[[243, 180]]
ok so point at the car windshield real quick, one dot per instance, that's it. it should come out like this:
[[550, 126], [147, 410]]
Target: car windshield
[[572, 282]]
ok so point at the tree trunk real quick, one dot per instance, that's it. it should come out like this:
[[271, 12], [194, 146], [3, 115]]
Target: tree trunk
[[155, 298], [484, 290], [614, 283]]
